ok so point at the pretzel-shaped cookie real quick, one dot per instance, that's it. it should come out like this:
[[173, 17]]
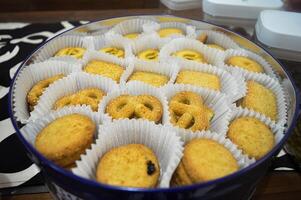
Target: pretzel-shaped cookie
[[89, 96], [141, 106], [113, 51], [188, 111]]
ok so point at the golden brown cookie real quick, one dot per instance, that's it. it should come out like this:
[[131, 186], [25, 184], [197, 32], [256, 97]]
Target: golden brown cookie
[[192, 55], [165, 32], [141, 106], [260, 99], [245, 63], [202, 38], [66, 138], [88, 96], [188, 111], [113, 51], [76, 52], [132, 165], [131, 35], [37, 90], [149, 54], [106, 69], [200, 79], [151, 78], [204, 160], [251, 135]]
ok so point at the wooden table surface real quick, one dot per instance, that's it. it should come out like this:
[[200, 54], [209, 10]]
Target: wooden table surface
[[276, 185]]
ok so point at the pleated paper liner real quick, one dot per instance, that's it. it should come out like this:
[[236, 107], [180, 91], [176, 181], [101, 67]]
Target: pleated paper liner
[[31, 75], [49, 50], [277, 130], [33, 128], [188, 30], [147, 42], [217, 102], [179, 44], [232, 86], [277, 89], [135, 88], [111, 40], [242, 160], [219, 38], [169, 69], [67, 86], [132, 26], [163, 142], [221, 61]]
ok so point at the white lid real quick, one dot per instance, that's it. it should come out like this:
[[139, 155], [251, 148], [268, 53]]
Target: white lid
[[279, 29], [246, 9], [182, 4]]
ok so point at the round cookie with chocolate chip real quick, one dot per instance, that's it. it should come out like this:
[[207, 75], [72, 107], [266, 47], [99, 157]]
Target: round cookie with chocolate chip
[[132, 165]]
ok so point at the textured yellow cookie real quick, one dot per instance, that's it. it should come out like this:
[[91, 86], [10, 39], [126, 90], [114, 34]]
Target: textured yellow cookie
[[88, 96], [141, 106], [215, 46], [114, 51], [37, 90], [151, 78], [132, 165], [76, 52], [165, 32], [206, 159], [106, 69], [260, 99], [252, 136], [66, 138], [190, 55], [149, 54], [200, 79], [180, 177], [245, 63], [188, 111], [131, 35]]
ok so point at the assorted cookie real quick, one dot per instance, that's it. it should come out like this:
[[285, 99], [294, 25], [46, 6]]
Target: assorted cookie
[[64, 139], [132, 165]]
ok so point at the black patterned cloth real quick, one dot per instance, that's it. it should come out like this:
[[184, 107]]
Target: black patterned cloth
[[17, 41]]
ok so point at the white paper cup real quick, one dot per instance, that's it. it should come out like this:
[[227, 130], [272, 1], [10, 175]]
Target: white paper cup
[[278, 131], [33, 128], [231, 52], [242, 160], [67, 86], [32, 74], [132, 26], [277, 89], [49, 50], [146, 42], [169, 69], [232, 86], [215, 101], [135, 88], [110, 40], [189, 31], [164, 143], [179, 44], [219, 38]]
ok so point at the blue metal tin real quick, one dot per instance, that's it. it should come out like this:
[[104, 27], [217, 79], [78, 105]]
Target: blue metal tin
[[240, 185]]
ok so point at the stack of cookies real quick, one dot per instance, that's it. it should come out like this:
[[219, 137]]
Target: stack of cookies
[[158, 104]]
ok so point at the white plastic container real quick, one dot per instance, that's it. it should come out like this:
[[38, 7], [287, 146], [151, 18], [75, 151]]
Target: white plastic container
[[280, 32], [241, 13]]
